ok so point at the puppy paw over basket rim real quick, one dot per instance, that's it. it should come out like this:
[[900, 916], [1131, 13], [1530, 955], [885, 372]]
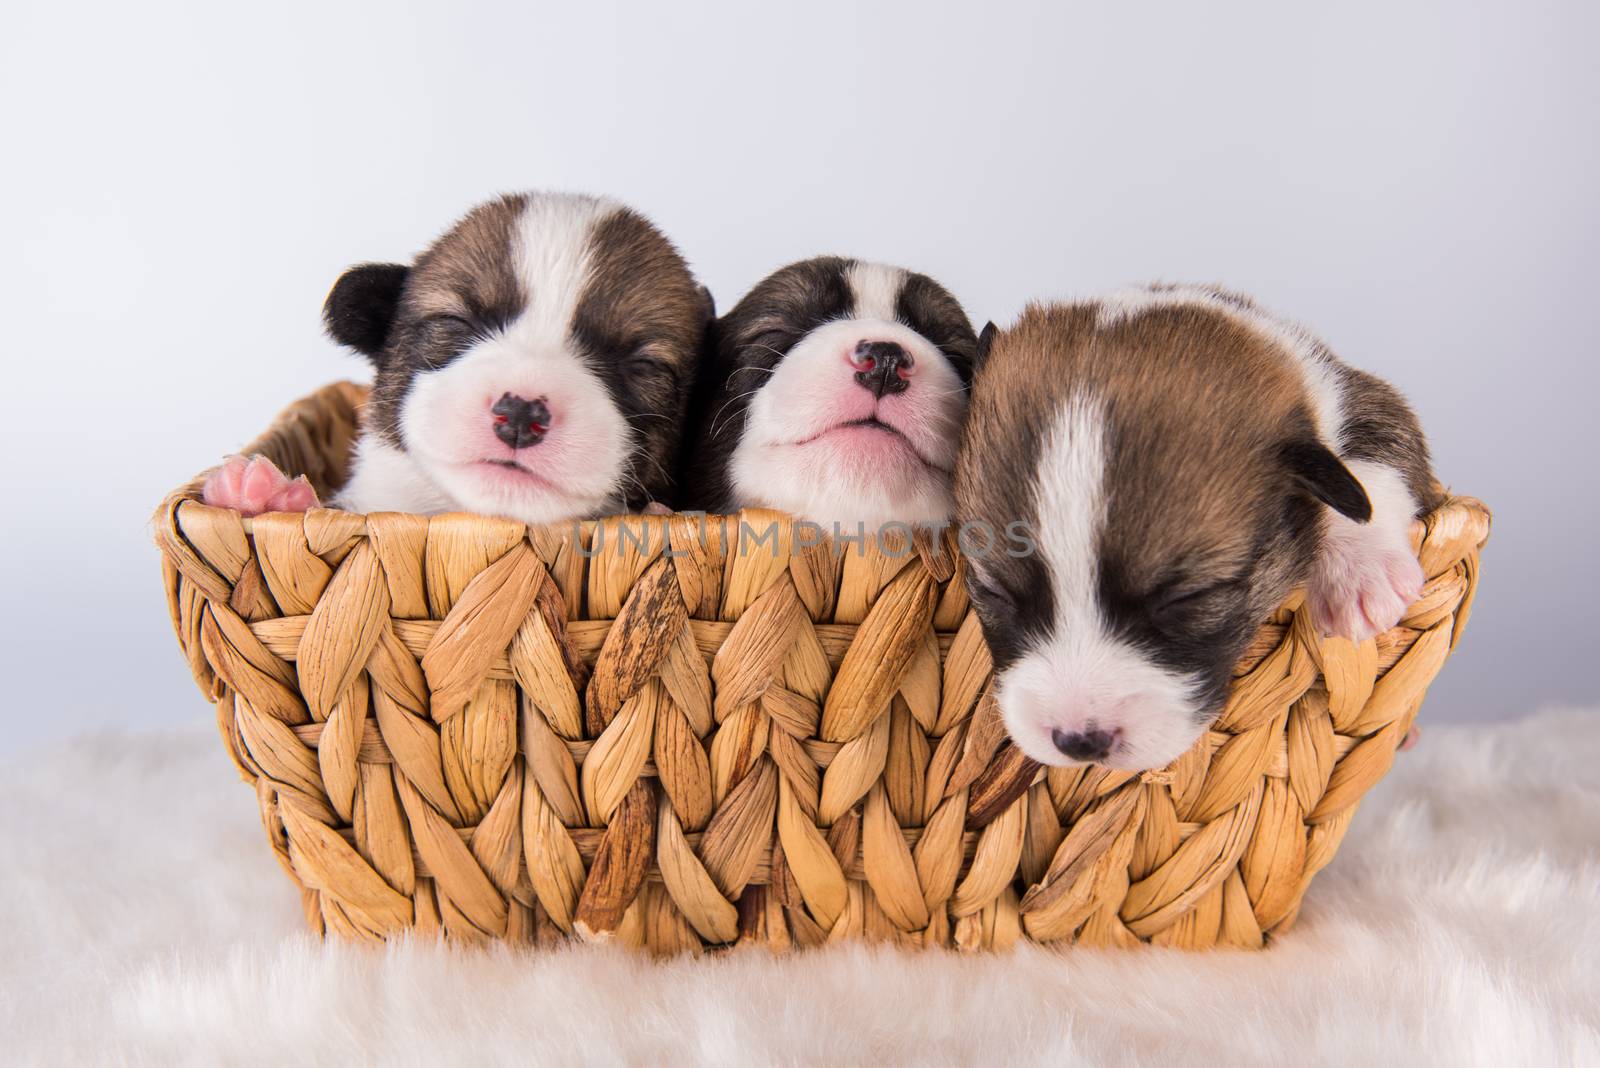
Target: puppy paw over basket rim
[[459, 724]]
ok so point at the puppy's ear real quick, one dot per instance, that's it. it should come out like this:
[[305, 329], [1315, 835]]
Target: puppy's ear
[[985, 339], [362, 305], [710, 303], [1320, 473]]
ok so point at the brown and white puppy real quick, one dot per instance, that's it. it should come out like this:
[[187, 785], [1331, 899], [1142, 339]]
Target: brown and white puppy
[[835, 391], [535, 362], [1182, 460]]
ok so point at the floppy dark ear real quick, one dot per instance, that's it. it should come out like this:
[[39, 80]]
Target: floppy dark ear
[[1323, 475], [985, 340], [361, 307], [710, 302]]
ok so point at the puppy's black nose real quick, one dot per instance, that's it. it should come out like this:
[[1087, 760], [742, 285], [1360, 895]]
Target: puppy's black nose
[[882, 366], [519, 422], [1088, 746]]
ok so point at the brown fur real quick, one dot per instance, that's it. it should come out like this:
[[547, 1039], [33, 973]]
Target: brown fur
[[1378, 424], [642, 301], [468, 270]]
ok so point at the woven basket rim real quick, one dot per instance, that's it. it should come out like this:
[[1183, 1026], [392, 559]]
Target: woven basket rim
[[352, 394]]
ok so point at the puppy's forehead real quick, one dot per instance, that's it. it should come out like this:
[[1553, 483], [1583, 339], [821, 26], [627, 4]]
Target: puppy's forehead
[[471, 269], [563, 264], [638, 292], [1194, 404], [810, 293], [875, 290], [552, 253], [800, 296]]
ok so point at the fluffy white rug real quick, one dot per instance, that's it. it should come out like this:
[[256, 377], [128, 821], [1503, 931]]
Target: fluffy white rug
[[147, 922]]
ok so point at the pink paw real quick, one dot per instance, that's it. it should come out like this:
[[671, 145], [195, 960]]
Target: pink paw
[[253, 484], [1359, 595], [656, 508]]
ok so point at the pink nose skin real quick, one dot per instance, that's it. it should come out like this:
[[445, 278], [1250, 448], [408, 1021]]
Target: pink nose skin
[[1089, 746], [520, 422], [882, 367]]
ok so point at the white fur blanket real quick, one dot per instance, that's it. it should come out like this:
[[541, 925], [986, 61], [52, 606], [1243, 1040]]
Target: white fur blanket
[[147, 922]]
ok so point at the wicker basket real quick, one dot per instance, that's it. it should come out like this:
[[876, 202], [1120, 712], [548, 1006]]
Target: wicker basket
[[458, 723]]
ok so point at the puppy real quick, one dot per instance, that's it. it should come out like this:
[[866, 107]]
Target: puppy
[[835, 391], [1181, 460], [535, 362]]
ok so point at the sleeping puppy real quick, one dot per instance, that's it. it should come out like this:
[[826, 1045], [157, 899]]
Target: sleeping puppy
[[535, 362], [835, 391], [1182, 460]]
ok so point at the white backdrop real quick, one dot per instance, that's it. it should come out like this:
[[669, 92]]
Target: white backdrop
[[182, 184]]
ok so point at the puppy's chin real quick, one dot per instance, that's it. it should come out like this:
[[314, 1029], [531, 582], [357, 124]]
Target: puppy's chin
[[1149, 713], [850, 478], [514, 492]]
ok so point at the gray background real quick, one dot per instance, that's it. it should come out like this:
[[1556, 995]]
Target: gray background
[[182, 185]]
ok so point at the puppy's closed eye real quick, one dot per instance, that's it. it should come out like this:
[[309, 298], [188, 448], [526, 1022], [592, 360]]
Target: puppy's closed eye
[[646, 384], [991, 593], [768, 347], [643, 366], [447, 336], [1188, 607]]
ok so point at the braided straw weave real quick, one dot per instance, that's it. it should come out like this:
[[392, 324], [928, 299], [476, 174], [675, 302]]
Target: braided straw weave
[[644, 729]]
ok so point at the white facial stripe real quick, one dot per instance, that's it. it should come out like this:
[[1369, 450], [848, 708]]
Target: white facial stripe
[[1083, 677], [877, 289], [1068, 487], [551, 257], [1312, 357]]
